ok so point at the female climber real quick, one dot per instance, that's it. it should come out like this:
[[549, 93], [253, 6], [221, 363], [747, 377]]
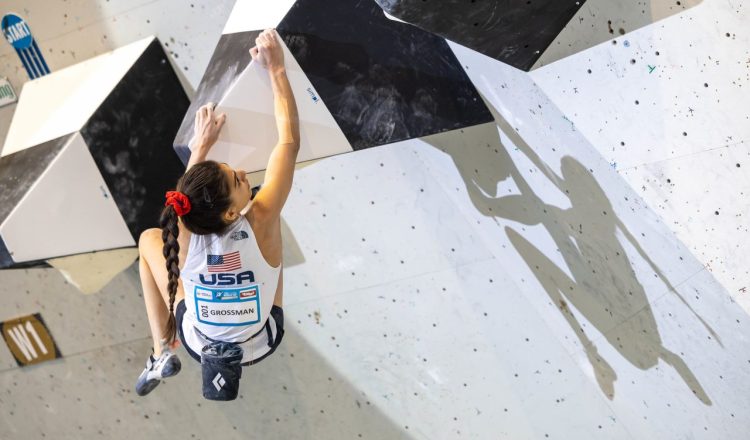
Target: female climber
[[217, 256]]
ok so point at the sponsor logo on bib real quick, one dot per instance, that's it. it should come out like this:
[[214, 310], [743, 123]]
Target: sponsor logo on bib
[[203, 294], [248, 293]]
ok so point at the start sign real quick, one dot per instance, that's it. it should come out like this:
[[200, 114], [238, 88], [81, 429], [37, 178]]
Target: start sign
[[29, 340], [18, 34]]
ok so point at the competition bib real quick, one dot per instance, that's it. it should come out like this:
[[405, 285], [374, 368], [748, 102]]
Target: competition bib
[[227, 307]]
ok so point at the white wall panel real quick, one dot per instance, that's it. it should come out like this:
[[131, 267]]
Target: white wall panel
[[458, 353], [654, 398], [253, 15], [706, 199], [61, 102], [601, 20], [541, 199], [249, 144], [668, 106], [188, 31], [662, 91], [372, 217], [68, 210]]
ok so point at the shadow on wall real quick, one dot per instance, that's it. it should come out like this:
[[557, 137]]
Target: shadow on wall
[[602, 20], [603, 288]]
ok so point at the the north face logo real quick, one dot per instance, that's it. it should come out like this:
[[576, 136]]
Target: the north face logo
[[238, 235], [218, 382]]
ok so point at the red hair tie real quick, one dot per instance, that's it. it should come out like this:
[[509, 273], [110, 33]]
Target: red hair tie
[[179, 202]]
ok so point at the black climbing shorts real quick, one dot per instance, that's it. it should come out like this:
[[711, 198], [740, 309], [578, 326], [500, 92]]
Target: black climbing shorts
[[257, 348]]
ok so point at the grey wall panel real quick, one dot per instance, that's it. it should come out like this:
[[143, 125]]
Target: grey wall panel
[[130, 137]]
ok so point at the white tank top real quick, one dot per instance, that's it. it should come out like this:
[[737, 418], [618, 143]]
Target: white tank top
[[229, 286]]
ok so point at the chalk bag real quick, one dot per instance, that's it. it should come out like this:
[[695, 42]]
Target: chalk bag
[[220, 365]]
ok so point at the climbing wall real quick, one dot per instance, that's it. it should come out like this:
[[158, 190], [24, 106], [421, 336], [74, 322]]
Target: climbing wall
[[86, 146], [515, 32], [360, 80], [669, 112], [501, 280]]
